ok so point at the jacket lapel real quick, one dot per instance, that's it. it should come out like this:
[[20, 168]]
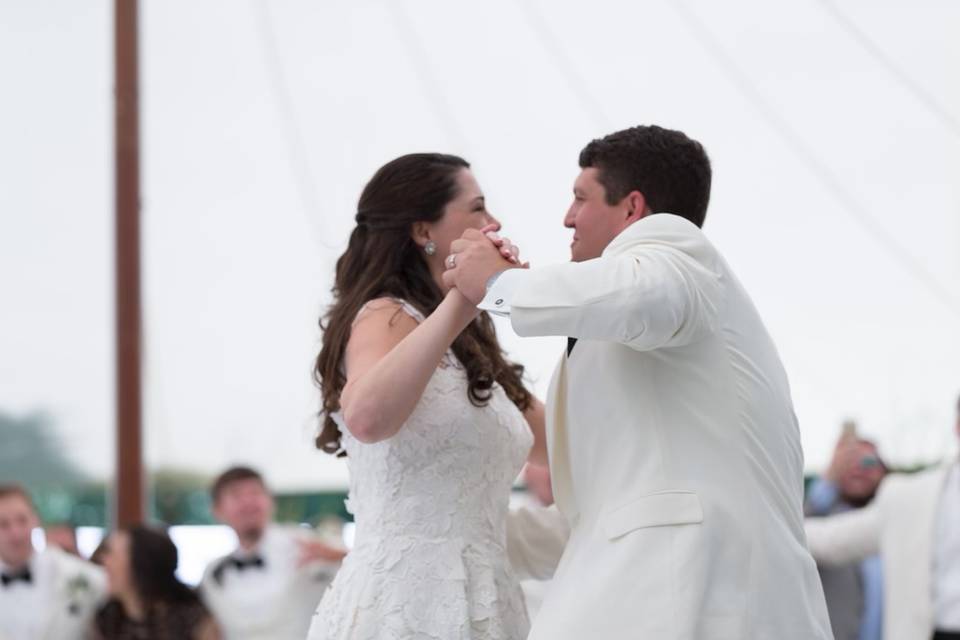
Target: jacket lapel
[[558, 451], [927, 505]]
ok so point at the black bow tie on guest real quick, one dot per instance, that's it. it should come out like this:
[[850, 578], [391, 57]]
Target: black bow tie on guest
[[243, 563], [24, 574], [240, 564]]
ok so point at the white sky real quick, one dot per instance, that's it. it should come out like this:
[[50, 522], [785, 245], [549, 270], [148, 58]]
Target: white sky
[[238, 250]]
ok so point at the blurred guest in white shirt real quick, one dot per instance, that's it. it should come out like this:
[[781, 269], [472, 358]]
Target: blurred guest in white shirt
[[854, 592], [539, 495], [269, 587], [914, 524], [44, 595]]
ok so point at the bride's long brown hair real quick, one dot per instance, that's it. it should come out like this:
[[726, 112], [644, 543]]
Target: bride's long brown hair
[[383, 260]]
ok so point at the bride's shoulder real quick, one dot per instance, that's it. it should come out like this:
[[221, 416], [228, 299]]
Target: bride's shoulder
[[379, 326], [388, 310]]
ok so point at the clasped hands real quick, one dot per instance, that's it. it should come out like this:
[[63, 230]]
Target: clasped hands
[[477, 256]]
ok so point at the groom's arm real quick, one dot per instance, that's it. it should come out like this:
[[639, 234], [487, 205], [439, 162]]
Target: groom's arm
[[653, 297]]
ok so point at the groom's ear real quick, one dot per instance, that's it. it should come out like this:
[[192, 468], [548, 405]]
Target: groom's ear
[[636, 207], [420, 233]]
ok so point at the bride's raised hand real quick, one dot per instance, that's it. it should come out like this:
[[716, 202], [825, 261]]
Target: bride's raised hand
[[508, 250]]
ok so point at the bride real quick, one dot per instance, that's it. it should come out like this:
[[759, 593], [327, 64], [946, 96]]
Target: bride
[[433, 419]]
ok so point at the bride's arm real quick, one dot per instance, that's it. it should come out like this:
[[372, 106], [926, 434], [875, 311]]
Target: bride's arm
[[537, 419], [389, 360]]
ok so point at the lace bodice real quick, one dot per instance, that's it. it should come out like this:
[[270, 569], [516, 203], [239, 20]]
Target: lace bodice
[[430, 505]]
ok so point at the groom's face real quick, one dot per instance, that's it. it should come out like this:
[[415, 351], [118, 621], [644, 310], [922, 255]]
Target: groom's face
[[595, 223]]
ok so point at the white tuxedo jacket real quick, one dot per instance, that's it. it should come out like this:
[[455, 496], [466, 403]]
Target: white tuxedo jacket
[[59, 604], [673, 445], [899, 525]]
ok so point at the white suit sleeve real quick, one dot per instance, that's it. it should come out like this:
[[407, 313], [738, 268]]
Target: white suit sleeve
[[536, 538], [655, 296], [844, 538]]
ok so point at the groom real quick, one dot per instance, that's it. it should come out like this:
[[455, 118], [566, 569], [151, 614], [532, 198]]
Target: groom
[[673, 444]]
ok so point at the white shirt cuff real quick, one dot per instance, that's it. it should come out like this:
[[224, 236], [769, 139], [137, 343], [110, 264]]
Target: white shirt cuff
[[499, 295]]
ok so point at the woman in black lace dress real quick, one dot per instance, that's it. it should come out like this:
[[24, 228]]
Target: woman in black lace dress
[[147, 601]]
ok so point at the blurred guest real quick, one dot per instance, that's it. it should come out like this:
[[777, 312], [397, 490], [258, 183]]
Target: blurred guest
[[914, 524], [97, 556], [537, 479], [63, 536], [855, 592], [43, 595], [537, 534], [539, 494], [147, 600], [269, 587]]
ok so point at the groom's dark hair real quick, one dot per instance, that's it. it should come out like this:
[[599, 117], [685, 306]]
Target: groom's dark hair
[[671, 170]]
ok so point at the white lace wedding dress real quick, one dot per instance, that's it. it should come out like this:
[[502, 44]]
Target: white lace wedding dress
[[429, 559]]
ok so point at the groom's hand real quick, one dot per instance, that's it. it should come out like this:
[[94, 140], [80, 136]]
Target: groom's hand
[[473, 260]]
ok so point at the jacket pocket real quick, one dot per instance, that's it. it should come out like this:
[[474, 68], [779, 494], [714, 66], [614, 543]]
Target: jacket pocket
[[661, 509]]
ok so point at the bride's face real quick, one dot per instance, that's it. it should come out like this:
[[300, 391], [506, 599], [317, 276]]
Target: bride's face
[[467, 210]]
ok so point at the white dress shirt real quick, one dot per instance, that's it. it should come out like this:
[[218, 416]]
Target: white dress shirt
[[946, 555], [22, 603], [59, 601], [273, 600]]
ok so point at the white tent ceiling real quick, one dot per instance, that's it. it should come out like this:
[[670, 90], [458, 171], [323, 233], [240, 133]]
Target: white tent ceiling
[[833, 129]]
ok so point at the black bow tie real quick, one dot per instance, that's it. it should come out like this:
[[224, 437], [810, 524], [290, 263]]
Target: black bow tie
[[245, 563], [240, 564], [24, 574]]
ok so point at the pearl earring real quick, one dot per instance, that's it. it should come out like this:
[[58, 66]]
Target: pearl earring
[[430, 248]]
